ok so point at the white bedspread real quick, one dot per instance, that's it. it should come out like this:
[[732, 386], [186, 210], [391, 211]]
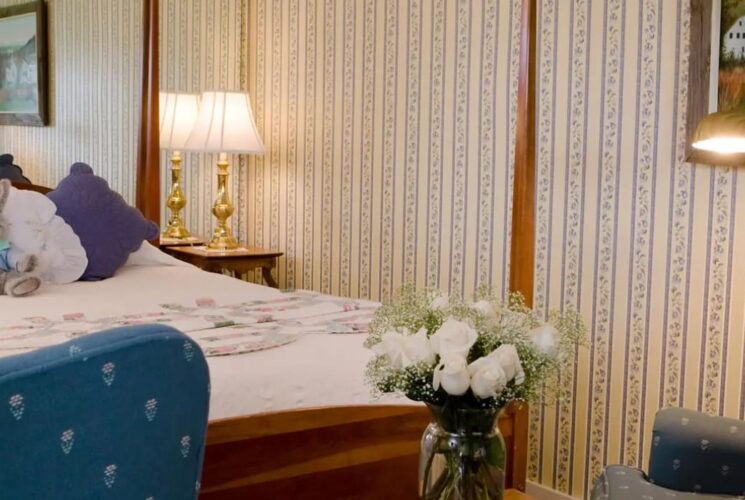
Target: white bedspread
[[315, 370]]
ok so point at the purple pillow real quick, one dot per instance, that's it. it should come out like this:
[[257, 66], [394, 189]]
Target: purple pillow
[[107, 226]]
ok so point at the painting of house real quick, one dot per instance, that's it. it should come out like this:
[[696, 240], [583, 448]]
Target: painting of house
[[733, 41], [732, 56], [18, 66]]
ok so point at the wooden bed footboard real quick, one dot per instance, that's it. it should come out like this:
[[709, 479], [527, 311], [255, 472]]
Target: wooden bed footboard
[[361, 452], [328, 453]]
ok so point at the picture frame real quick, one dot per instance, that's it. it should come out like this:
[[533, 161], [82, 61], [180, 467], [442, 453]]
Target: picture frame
[[23, 65], [704, 75]]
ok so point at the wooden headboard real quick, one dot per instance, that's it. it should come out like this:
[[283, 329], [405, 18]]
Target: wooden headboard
[[31, 187]]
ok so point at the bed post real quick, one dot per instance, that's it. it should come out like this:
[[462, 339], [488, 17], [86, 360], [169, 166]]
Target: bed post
[[522, 251], [148, 149]]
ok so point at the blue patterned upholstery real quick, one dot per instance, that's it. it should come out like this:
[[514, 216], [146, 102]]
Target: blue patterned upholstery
[[120, 414], [693, 456]]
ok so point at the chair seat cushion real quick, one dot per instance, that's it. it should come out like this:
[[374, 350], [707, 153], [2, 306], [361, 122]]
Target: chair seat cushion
[[619, 482]]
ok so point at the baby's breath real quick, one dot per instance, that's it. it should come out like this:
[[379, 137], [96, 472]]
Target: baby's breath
[[410, 311]]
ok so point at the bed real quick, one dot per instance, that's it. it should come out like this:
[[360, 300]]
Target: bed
[[286, 419]]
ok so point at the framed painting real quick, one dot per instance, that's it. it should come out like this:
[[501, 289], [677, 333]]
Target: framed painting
[[23, 64]]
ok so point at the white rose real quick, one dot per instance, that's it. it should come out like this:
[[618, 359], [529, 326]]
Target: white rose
[[486, 308], [546, 340], [506, 356], [418, 348], [441, 302], [452, 375], [453, 337], [392, 346], [487, 377], [404, 349]]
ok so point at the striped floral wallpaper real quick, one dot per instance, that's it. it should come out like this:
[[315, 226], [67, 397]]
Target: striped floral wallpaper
[[642, 243], [95, 62], [389, 132], [203, 47], [94, 48]]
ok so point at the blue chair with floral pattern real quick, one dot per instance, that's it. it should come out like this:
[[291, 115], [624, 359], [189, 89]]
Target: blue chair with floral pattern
[[120, 414], [694, 456]]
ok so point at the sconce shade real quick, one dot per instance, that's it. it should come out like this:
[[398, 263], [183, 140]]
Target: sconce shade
[[722, 133], [178, 114], [225, 125]]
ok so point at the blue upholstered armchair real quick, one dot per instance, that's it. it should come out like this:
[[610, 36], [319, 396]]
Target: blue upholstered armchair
[[693, 456], [116, 415]]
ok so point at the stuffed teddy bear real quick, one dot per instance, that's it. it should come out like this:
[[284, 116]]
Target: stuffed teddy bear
[[15, 266]]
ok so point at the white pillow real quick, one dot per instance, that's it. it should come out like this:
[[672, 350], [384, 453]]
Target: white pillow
[[34, 228], [149, 255]]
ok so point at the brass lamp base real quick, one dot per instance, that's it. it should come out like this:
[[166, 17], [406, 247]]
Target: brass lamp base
[[223, 242], [176, 232], [222, 238], [176, 202]]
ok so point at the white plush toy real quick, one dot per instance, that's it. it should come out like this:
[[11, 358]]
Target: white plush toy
[[16, 267], [32, 228]]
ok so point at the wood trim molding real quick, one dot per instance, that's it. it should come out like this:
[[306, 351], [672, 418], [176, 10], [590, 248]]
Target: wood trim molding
[[699, 68], [30, 187], [519, 454], [522, 250], [148, 149]]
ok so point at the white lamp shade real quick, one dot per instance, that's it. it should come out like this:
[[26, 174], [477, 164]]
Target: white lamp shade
[[178, 114], [225, 125]]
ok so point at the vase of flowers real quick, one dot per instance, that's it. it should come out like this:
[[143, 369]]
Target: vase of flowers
[[462, 455], [467, 360]]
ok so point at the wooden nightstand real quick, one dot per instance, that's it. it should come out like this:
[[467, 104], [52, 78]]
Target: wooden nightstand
[[164, 242], [516, 495], [239, 261]]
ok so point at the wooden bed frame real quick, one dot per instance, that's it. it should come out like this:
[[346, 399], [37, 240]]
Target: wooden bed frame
[[366, 451], [332, 452], [339, 452]]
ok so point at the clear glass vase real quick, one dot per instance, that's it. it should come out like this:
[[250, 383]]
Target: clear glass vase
[[462, 456]]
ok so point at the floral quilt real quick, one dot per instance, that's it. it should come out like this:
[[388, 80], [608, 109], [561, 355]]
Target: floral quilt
[[220, 330]]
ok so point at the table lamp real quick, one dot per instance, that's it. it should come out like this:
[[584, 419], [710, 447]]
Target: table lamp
[[178, 113], [721, 132], [225, 125]]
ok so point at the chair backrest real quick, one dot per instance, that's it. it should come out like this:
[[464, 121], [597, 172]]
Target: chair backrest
[[118, 414], [699, 453]]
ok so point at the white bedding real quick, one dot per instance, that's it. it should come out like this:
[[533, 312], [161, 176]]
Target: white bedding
[[315, 370]]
